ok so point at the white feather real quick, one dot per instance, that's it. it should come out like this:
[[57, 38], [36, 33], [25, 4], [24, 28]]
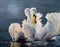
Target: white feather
[[33, 10], [51, 29], [39, 34], [27, 14], [53, 24], [14, 30]]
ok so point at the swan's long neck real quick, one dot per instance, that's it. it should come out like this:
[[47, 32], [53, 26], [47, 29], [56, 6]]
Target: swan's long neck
[[28, 19]]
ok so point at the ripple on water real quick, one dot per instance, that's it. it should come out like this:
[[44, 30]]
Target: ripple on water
[[34, 44]]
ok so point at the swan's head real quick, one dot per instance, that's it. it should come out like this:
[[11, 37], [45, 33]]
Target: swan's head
[[33, 10], [27, 12]]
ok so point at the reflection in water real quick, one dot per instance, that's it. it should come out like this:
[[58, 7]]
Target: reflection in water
[[33, 44], [16, 44]]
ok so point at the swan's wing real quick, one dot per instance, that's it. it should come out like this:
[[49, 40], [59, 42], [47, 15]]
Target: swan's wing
[[54, 24], [14, 30], [39, 16], [39, 29], [40, 33], [38, 24]]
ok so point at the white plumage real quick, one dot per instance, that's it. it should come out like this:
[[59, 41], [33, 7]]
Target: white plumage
[[14, 30], [54, 23], [52, 27], [39, 28], [33, 30]]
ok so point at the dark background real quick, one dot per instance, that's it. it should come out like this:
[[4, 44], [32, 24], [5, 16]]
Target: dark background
[[13, 11]]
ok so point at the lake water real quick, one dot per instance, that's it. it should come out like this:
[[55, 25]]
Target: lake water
[[34, 44], [13, 11]]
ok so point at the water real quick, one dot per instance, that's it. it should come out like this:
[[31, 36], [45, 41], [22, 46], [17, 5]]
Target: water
[[34, 44], [9, 15]]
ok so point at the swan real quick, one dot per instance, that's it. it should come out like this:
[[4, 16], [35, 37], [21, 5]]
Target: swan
[[27, 30]]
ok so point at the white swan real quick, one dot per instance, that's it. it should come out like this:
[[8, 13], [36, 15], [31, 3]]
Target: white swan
[[27, 28]]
